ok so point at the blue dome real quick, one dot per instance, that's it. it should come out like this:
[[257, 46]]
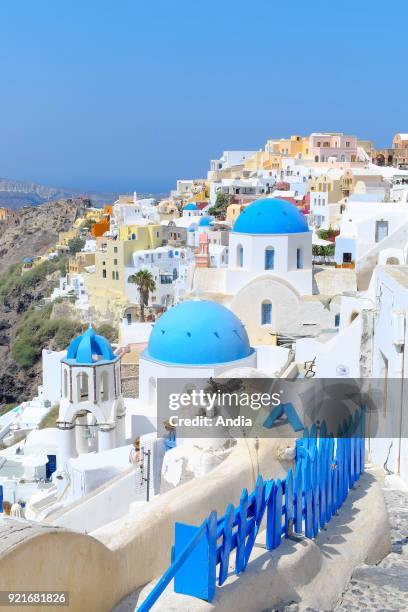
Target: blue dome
[[271, 216], [89, 348], [198, 333], [190, 206], [205, 221]]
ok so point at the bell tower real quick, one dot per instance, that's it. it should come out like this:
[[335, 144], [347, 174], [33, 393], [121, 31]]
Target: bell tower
[[91, 398]]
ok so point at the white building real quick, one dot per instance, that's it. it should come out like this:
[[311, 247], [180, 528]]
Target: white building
[[168, 265], [228, 160], [369, 227], [389, 443]]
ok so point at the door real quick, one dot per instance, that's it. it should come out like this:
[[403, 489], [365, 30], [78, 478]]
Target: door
[[51, 465]]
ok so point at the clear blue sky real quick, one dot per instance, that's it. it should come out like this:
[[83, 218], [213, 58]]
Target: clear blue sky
[[133, 94]]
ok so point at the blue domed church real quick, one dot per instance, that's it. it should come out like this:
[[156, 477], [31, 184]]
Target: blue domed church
[[197, 339]]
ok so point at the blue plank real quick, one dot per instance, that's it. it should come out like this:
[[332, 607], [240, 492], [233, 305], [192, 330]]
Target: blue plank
[[226, 544], [289, 503], [298, 488], [307, 489], [277, 523], [241, 532], [196, 576], [270, 521]]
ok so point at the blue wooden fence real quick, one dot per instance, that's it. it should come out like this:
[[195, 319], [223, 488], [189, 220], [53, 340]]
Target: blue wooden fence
[[302, 503]]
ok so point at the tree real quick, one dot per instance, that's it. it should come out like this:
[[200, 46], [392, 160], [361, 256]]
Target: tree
[[75, 245], [221, 203], [145, 283]]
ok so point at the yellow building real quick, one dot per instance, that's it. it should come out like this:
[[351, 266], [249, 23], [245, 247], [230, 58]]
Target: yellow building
[[291, 147], [64, 238], [233, 210], [106, 286], [327, 184], [3, 214], [144, 236], [80, 261]]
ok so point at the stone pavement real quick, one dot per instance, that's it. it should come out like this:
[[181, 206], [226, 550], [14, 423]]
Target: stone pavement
[[382, 587]]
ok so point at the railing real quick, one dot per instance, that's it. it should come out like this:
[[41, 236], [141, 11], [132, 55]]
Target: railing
[[304, 502]]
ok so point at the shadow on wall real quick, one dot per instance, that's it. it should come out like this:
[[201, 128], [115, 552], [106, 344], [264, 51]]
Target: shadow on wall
[[100, 569]]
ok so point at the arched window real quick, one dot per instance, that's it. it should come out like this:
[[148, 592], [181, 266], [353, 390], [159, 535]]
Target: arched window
[[269, 258], [104, 388], [266, 312], [240, 256], [299, 259], [82, 387]]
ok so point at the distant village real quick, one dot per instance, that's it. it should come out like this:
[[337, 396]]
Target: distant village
[[288, 262]]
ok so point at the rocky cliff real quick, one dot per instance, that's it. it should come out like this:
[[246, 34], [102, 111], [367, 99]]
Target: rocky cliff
[[35, 229], [32, 233]]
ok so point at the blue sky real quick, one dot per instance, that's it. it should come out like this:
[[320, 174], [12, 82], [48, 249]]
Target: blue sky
[[132, 94]]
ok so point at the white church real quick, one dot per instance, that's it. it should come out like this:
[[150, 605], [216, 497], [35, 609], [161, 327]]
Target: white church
[[269, 276]]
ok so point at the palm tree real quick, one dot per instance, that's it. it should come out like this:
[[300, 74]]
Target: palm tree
[[145, 283]]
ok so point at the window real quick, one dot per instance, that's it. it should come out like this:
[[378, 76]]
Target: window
[[82, 387], [115, 262], [113, 275], [381, 230], [347, 257], [266, 313], [269, 258], [115, 249], [117, 275], [129, 318], [104, 273], [299, 259], [104, 388], [240, 256], [347, 144]]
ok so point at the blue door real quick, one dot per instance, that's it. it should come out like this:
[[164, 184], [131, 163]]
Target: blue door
[[51, 465], [1, 498]]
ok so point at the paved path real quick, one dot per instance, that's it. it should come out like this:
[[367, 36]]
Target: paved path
[[382, 587]]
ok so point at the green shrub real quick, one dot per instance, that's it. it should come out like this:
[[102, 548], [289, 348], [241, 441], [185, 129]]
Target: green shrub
[[108, 331], [50, 419], [37, 330]]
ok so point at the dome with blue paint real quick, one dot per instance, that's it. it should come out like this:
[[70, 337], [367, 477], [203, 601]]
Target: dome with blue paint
[[205, 221], [89, 348], [271, 216], [190, 206], [198, 333]]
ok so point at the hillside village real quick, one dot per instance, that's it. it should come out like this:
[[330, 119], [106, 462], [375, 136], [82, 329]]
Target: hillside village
[[287, 262]]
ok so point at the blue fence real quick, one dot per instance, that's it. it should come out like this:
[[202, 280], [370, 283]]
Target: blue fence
[[303, 502]]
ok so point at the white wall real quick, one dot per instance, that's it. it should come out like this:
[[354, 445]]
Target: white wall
[[51, 368]]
